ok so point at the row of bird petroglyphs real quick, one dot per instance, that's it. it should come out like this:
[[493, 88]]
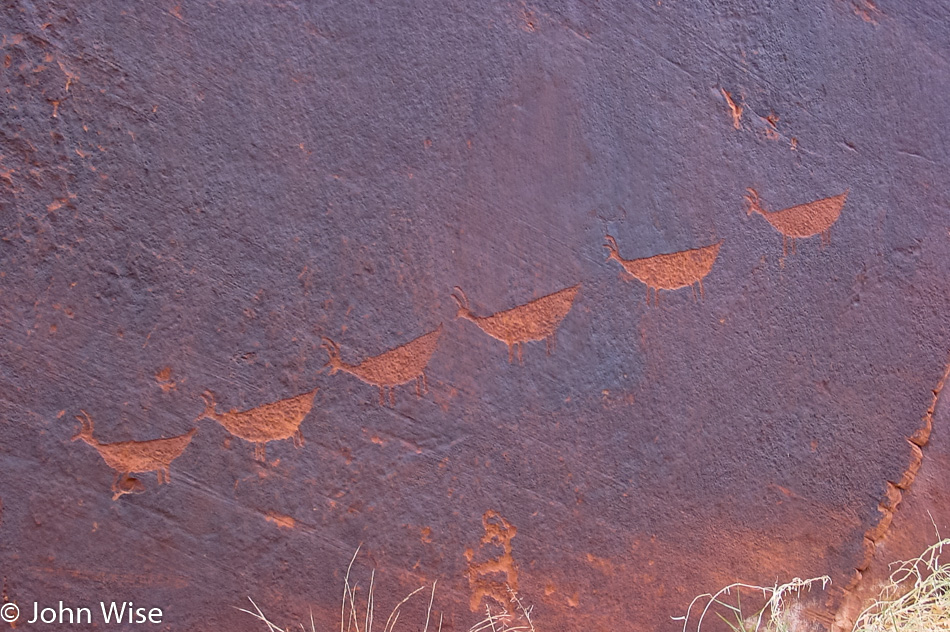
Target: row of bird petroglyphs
[[677, 270], [280, 420], [536, 320], [269, 422]]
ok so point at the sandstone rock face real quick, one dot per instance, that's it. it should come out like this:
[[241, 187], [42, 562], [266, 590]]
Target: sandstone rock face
[[205, 203]]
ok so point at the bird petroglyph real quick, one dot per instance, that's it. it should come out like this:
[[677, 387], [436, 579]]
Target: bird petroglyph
[[269, 422], [127, 457], [668, 271], [391, 368], [495, 576], [535, 320], [800, 221]]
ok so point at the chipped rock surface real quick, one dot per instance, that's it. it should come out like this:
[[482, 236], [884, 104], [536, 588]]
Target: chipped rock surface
[[611, 303]]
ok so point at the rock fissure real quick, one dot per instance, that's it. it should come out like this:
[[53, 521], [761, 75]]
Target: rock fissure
[[895, 490]]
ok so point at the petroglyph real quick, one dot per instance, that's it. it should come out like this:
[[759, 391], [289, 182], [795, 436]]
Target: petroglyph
[[269, 422], [495, 577], [668, 271], [392, 368], [126, 457], [800, 221], [536, 320]]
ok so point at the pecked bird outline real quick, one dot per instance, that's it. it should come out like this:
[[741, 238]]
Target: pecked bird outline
[[127, 457], [669, 271], [392, 368], [532, 321]]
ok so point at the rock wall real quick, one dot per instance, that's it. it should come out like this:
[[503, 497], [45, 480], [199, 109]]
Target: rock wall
[[613, 303]]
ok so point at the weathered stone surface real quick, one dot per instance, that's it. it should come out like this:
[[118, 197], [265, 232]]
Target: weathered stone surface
[[921, 520], [195, 195]]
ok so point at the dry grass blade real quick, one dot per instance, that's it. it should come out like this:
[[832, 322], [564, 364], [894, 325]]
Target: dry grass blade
[[771, 617], [350, 615], [505, 621], [260, 616], [917, 597]]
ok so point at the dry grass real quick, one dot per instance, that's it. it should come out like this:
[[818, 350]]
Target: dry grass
[[916, 599], [518, 619], [350, 616], [357, 617], [774, 616]]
